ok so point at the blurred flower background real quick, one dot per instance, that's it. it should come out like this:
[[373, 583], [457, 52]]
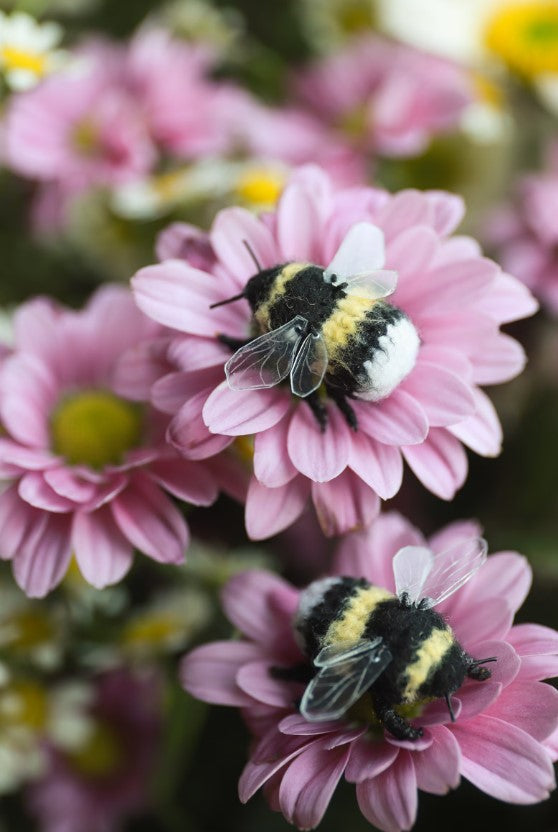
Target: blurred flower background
[[125, 128]]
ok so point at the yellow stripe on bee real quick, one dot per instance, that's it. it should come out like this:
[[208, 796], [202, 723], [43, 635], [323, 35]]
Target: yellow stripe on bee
[[344, 321], [283, 278], [429, 655], [352, 623]]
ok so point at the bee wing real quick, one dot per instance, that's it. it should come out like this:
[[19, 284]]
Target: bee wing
[[266, 360], [309, 366], [453, 568], [373, 286], [411, 567], [343, 680], [361, 252]]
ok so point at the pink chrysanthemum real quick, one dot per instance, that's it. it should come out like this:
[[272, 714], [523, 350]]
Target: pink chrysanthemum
[[455, 298], [80, 128], [107, 778], [505, 735], [86, 463], [526, 233], [386, 98]]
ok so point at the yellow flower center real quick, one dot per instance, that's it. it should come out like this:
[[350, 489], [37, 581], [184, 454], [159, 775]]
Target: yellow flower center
[[356, 16], [30, 629], [13, 59], [525, 37], [101, 755], [244, 448], [354, 122], [85, 137], [24, 704], [260, 187], [152, 630], [95, 428], [363, 712]]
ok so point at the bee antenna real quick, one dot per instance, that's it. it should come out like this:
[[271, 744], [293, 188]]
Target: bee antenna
[[228, 300], [252, 255], [475, 662], [450, 708]]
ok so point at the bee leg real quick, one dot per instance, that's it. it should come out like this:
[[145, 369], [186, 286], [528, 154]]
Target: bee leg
[[475, 671], [342, 403], [319, 410], [393, 722], [233, 344]]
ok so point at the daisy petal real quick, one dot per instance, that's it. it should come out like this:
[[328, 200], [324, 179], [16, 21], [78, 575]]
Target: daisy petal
[[209, 672], [440, 463], [270, 510], [239, 412], [321, 455], [103, 554], [389, 801]]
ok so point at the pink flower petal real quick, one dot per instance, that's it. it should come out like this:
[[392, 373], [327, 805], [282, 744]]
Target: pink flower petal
[[448, 211], [443, 396], [531, 706], [507, 665], [189, 433], [298, 726], [67, 483], [482, 432], [405, 209], [171, 391], [189, 481], [239, 412], [480, 621], [538, 648], [138, 369], [411, 253], [233, 227], [497, 358], [103, 554], [28, 392], [256, 680], [150, 521], [209, 672], [397, 420], [369, 757], [319, 455], [35, 491], [261, 605], [26, 458], [42, 561], [179, 296], [344, 504], [308, 784], [505, 576], [272, 465], [18, 520], [270, 510], [370, 553], [298, 226], [437, 768], [504, 761], [451, 287], [509, 300], [440, 463], [380, 466], [476, 697], [257, 772], [390, 800]]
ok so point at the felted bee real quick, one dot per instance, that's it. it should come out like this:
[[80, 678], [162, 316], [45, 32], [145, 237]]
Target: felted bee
[[327, 325], [363, 640]]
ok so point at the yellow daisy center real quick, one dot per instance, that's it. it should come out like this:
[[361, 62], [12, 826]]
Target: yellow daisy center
[[95, 428], [525, 37], [24, 704], [356, 16], [152, 630], [101, 755], [85, 137], [13, 59], [260, 187]]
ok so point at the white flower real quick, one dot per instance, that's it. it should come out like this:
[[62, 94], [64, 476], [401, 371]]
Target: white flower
[[27, 50]]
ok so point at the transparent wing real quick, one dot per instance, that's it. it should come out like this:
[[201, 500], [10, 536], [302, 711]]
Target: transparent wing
[[453, 568], [309, 365], [339, 684], [361, 252], [374, 286], [411, 568], [340, 652], [266, 360]]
